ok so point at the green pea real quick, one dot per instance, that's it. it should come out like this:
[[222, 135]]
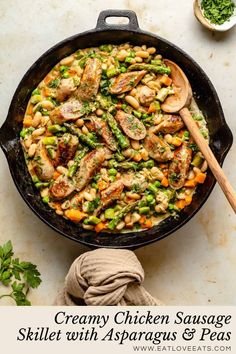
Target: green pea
[[150, 199], [112, 172]]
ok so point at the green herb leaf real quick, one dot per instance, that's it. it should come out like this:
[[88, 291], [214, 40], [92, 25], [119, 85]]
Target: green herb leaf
[[12, 272]]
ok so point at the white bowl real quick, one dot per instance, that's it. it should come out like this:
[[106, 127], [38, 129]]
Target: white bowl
[[211, 26]]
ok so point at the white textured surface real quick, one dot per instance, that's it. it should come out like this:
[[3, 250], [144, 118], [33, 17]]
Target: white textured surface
[[197, 264]]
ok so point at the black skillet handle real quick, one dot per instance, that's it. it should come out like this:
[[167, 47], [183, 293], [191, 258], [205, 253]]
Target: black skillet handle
[[131, 15], [5, 135]]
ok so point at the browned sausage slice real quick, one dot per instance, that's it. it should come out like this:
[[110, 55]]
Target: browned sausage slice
[[131, 125], [135, 181], [62, 187], [101, 127], [170, 124], [179, 167], [113, 192], [89, 165], [65, 89], [68, 111], [158, 149], [90, 81], [42, 164], [67, 147], [126, 82]]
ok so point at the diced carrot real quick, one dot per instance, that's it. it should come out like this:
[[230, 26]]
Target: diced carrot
[[176, 141], [99, 227], [190, 183], [147, 224], [102, 184], [118, 105], [48, 78], [75, 215], [29, 109], [56, 174], [200, 178], [142, 219], [152, 108], [163, 165], [89, 125], [46, 91], [164, 182], [188, 199], [180, 204], [181, 133], [166, 80], [137, 157], [27, 121], [47, 133], [72, 72]]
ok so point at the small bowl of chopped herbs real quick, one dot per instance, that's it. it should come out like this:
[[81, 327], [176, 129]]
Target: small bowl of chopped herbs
[[216, 15]]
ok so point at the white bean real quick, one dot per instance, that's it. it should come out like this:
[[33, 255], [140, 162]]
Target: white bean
[[128, 153], [135, 144], [121, 225], [142, 54], [67, 61], [79, 122], [137, 49], [132, 101], [45, 120], [88, 196], [99, 112], [135, 217], [134, 196], [37, 119], [88, 227], [122, 55], [62, 170], [44, 192], [85, 130], [127, 218], [151, 50], [65, 205], [144, 154], [191, 175], [28, 142], [168, 138], [138, 60], [59, 212], [70, 163], [38, 132], [47, 104], [32, 150]]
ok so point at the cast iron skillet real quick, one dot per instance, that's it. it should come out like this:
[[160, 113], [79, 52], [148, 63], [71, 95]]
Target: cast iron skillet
[[205, 94]]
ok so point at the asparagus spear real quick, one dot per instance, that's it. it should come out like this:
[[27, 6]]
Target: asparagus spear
[[113, 223], [122, 139], [157, 69], [83, 138], [77, 159]]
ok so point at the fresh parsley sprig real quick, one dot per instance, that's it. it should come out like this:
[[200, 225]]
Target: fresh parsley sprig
[[17, 275]]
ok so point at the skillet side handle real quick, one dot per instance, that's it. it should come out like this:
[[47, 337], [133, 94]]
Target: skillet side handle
[[131, 15], [3, 136]]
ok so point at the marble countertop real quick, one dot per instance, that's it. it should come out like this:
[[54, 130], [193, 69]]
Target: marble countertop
[[194, 266]]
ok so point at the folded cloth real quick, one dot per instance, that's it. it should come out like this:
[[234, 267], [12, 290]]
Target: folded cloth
[[106, 277]]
